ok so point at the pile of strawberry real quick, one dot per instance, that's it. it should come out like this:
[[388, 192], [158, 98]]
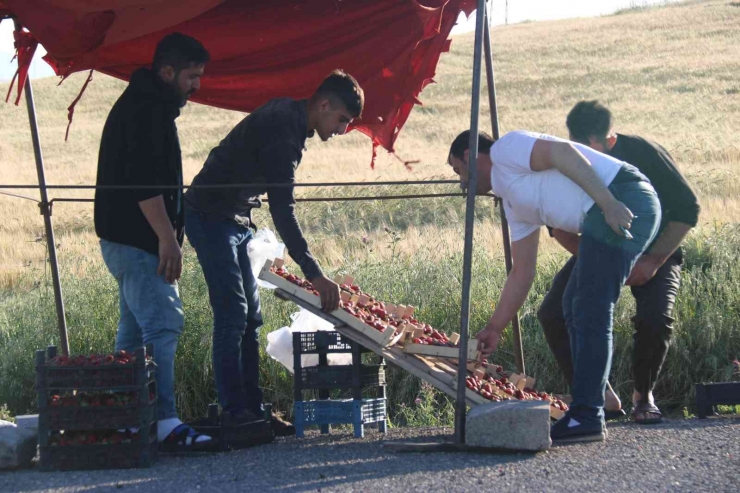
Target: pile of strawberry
[[108, 399], [301, 283], [117, 358], [372, 312], [493, 389], [107, 437], [433, 337]]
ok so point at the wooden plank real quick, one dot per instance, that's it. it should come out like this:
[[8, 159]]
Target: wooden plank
[[409, 312], [407, 362], [441, 351], [556, 413], [450, 368]]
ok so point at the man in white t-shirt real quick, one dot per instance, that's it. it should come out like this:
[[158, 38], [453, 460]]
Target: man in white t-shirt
[[547, 181]]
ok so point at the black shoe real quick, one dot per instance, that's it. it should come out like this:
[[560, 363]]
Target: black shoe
[[237, 419], [281, 427], [570, 429]]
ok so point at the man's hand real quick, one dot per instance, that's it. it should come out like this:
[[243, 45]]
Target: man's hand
[[618, 216], [170, 260], [329, 292], [488, 341], [644, 270]]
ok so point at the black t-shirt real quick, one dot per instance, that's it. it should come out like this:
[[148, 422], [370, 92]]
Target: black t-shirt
[[265, 147], [678, 201], [139, 146]]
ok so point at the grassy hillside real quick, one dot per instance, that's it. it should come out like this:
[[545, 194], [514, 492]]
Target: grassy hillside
[[669, 74]]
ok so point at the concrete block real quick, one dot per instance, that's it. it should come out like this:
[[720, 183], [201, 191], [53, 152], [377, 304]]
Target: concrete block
[[511, 425]]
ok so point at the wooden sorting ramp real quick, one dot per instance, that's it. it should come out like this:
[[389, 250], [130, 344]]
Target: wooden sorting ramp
[[442, 376]]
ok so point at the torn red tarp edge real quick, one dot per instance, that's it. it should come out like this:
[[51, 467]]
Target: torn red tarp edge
[[288, 50], [25, 47], [71, 108]]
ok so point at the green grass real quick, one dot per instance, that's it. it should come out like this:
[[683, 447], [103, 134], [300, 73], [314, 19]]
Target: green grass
[[669, 74], [706, 338]]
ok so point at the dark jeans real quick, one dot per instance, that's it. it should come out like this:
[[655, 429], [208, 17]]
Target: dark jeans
[[653, 322], [221, 246], [604, 262]]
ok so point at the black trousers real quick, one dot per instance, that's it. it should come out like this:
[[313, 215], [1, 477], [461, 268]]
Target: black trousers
[[653, 322]]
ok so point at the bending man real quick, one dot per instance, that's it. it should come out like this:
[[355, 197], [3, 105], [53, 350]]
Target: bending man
[[547, 181], [265, 147]]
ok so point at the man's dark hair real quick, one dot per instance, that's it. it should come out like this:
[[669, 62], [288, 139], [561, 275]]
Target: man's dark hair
[[344, 87], [462, 143], [180, 51], [589, 118]]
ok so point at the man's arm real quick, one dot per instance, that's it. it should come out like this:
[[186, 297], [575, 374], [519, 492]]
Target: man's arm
[[564, 157], [677, 199], [569, 241], [516, 288], [170, 254], [280, 159], [148, 167]]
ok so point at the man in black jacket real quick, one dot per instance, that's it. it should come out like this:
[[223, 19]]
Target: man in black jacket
[[656, 276], [264, 148], [141, 229]]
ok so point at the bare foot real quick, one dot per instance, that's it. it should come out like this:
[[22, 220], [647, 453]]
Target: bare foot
[[611, 400]]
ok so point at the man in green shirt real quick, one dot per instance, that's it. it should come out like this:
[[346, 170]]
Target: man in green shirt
[[654, 280]]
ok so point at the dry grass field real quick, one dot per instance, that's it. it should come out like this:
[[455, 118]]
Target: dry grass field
[[670, 74]]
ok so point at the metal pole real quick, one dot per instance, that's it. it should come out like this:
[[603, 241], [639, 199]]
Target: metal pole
[[46, 212], [460, 406], [518, 348]]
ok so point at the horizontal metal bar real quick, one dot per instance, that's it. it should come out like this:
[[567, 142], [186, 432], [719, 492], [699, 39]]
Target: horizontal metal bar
[[237, 185], [330, 199]]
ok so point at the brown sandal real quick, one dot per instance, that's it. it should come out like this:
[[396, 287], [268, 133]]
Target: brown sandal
[[646, 407]]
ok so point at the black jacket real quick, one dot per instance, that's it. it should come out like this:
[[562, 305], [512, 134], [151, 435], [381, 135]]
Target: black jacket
[[139, 147], [265, 147]]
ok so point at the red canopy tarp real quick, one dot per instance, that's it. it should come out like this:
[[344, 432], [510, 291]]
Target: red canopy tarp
[[260, 49]]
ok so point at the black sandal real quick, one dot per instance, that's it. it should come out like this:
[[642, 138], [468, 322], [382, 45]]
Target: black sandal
[[185, 439], [646, 407], [611, 415]]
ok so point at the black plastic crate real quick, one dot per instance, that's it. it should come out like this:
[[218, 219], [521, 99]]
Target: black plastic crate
[[139, 453], [709, 395], [130, 376], [234, 437], [340, 376], [98, 414]]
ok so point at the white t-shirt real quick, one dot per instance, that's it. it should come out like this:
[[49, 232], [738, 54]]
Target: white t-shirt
[[533, 199]]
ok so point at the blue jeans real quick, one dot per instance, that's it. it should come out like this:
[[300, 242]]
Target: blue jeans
[[603, 264], [151, 313], [221, 246]]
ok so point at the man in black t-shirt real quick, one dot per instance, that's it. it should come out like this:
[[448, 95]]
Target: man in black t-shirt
[[264, 148], [141, 229], [654, 280]]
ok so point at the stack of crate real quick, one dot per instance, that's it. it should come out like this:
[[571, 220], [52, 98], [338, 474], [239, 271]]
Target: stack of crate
[[96, 412], [357, 378]]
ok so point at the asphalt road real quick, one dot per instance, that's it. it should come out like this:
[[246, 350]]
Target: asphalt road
[[678, 455]]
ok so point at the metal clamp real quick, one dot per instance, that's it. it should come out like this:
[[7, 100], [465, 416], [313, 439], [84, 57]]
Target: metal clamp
[[45, 208]]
